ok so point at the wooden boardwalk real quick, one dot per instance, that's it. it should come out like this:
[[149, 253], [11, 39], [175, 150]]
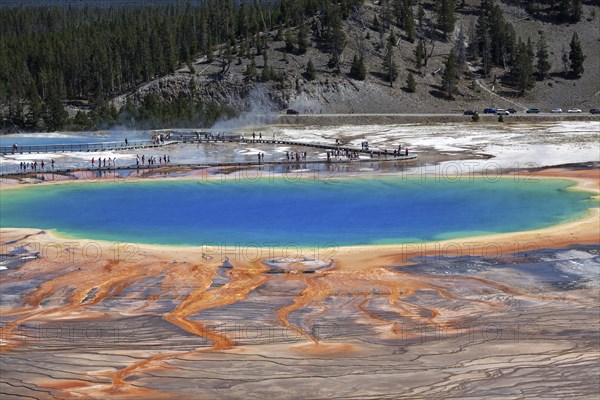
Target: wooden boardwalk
[[84, 147], [187, 138], [377, 155], [209, 165]]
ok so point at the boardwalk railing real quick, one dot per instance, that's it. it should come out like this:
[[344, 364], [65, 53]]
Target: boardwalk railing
[[83, 147]]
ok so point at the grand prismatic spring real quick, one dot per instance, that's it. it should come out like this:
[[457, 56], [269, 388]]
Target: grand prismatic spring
[[361, 279], [296, 212]]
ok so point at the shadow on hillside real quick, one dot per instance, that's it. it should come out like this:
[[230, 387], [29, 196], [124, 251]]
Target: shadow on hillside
[[383, 78], [569, 76], [438, 92]]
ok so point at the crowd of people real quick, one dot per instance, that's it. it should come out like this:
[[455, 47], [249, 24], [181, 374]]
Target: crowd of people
[[159, 138], [255, 137], [104, 162], [340, 154], [295, 156], [152, 160], [35, 166]]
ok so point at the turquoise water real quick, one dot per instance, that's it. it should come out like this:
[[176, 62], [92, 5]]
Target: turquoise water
[[303, 212]]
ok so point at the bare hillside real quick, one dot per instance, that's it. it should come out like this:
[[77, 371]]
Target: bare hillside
[[338, 93]]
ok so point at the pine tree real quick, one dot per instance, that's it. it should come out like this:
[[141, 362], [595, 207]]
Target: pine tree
[[358, 70], [575, 10], [36, 111], [445, 15], [55, 115], [419, 55], [522, 71], [251, 70], [576, 56], [302, 39], [336, 38], [543, 65], [376, 25], [389, 65], [449, 76], [411, 85], [289, 41], [409, 22], [311, 71]]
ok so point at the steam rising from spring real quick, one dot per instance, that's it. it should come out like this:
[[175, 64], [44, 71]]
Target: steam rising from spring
[[262, 111]]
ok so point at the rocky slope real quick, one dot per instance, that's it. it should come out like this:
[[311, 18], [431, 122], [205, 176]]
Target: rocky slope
[[338, 93]]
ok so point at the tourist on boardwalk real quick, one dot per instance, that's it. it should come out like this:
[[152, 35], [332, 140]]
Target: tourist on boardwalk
[[92, 162], [52, 163], [253, 136], [126, 141]]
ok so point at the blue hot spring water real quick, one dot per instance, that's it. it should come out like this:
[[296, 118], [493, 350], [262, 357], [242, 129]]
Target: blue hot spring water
[[279, 212]]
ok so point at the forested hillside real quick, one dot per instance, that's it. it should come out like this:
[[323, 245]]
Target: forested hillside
[[193, 63]]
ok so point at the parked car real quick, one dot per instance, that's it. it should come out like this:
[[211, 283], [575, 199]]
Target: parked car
[[512, 110], [292, 112], [556, 110], [574, 110], [594, 110], [469, 112], [533, 111], [502, 112], [489, 111]]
